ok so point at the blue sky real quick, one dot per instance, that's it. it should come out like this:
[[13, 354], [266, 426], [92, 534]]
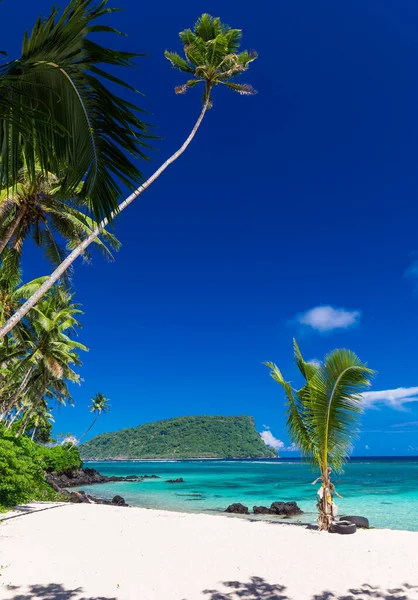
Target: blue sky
[[294, 213]]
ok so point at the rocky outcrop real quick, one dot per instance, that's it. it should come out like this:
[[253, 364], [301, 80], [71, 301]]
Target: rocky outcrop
[[287, 509], [88, 476], [83, 498], [178, 480], [238, 509], [261, 510]]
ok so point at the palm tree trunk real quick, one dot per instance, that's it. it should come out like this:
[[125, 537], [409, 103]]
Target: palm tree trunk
[[17, 395], [87, 430], [34, 432], [26, 420], [325, 517], [15, 416], [30, 303], [12, 228]]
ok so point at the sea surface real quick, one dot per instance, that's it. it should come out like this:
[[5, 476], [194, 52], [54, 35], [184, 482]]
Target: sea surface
[[383, 489]]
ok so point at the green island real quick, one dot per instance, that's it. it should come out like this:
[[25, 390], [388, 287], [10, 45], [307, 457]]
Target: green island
[[182, 437]]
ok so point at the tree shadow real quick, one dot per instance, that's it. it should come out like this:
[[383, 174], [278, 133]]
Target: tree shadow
[[256, 589], [51, 591], [367, 591], [259, 589]]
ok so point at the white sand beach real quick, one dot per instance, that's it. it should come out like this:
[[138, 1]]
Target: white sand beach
[[94, 552]]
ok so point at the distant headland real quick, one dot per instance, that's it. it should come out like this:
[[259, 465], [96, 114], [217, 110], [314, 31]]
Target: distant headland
[[203, 437]]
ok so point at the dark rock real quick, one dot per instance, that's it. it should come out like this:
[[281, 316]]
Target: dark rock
[[178, 480], [285, 508], [150, 477], [88, 476], [238, 509], [119, 501], [261, 510]]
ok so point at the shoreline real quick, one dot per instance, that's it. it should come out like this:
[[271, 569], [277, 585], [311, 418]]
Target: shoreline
[[116, 553]]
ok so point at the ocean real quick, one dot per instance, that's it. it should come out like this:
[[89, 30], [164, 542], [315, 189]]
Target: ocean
[[385, 490]]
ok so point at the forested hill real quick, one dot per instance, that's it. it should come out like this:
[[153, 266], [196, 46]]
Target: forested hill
[[183, 437]]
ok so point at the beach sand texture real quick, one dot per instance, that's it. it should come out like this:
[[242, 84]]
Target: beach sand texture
[[94, 552]]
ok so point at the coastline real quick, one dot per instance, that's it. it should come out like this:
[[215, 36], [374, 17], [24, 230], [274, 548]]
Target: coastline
[[116, 553]]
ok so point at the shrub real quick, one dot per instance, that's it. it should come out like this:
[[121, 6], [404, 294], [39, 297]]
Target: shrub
[[21, 473], [22, 467], [60, 458]]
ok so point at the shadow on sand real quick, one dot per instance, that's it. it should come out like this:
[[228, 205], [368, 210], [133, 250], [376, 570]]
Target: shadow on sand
[[259, 589], [50, 591]]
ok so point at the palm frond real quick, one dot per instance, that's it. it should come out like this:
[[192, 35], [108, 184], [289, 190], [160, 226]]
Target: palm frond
[[177, 62], [336, 396], [54, 106], [244, 89]]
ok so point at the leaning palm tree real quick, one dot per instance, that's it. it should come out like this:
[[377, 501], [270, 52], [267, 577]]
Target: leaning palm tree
[[99, 404], [56, 108], [323, 415], [212, 58]]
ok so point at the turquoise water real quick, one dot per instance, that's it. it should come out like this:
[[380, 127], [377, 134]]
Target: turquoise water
[[384, 490]]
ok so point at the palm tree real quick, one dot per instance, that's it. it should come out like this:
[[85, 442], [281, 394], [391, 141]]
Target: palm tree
[[211, 59], [55, 107], [47, 355], [34, 208], [42, 422], [99, 404], [323, 415]]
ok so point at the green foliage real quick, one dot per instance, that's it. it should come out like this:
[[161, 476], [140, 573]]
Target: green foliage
[[60, 458], [183, 437], [323, 415], [212, 57], [56, 108], [22, 467]]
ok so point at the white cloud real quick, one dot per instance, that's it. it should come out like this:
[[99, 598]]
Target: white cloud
[[392, 398], [315, 362], [328, 318], [269, 439], [407, 424]]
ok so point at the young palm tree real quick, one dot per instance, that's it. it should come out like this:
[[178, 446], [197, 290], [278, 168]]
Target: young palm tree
[[35, 208], [56, 109], [99, 404], [47, 356], [323, 415], [211, 58]]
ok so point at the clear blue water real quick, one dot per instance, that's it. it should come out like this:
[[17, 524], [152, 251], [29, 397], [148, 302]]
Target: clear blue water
[[384, 490]]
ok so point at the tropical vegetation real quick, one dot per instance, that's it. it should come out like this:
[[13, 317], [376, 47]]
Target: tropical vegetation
[[70, 139], [323, 415], [182, 437], [212, 58], [23, 464]]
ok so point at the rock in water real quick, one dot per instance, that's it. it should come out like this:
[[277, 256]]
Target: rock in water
[[238, 509], [285, 508], [178, 480], [261, 510], [119, 501]]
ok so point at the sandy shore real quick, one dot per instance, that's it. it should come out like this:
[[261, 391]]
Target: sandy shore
[[94, 552]]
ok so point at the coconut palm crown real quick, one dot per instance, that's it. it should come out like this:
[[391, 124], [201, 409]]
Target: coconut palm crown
[[212, 58], [323, 415]]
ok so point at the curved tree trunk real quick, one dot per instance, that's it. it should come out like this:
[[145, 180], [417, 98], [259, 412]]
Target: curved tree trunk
[[325, 517], [12, 228], [34, 432], [88, 428], [19, 314], [17, 395]]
